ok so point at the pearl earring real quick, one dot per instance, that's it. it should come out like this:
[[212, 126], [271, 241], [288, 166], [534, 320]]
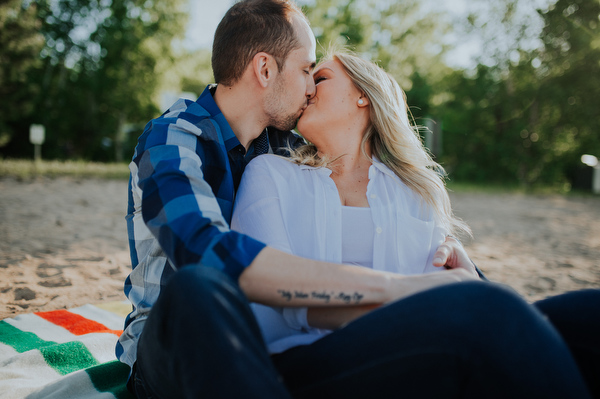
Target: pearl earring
[[361, 102]]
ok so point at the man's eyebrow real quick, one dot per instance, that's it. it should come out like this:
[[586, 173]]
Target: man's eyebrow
[[312, 65]]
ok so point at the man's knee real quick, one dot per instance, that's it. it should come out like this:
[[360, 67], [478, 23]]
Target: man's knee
[[199, 287], [199, 280]]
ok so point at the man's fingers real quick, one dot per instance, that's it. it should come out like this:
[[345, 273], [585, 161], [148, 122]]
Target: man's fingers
[[441, 255]]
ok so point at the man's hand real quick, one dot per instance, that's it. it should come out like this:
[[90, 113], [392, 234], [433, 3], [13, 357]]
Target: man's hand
[[452, 255]]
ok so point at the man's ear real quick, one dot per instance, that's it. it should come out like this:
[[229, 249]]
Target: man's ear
[[264, 67]]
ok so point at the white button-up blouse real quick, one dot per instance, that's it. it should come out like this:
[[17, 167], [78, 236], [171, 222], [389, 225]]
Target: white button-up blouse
[[297, 209]]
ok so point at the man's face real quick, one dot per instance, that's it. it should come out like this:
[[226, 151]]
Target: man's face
[[293, 85]]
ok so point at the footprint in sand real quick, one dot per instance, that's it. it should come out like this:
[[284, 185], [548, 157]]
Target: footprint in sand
[[541, 284], [52, 276], [56, 281], [24, 293]]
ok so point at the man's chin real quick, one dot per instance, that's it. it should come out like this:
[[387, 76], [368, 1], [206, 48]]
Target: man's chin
[[285, 125]]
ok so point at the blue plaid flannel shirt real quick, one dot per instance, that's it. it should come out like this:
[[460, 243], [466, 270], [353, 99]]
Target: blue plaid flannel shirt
[[184, 173]]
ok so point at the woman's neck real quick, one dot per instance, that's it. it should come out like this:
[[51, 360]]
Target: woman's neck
[[349, 160], [350, 172]]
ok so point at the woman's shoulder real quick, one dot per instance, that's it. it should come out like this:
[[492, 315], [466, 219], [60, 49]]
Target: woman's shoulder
[[271, 159], [418, 206], [272, 163]]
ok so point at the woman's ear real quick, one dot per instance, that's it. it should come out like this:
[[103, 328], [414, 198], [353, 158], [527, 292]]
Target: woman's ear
[[264, 68]]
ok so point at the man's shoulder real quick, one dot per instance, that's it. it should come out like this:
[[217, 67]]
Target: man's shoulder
[[182, 124], [184, 110]]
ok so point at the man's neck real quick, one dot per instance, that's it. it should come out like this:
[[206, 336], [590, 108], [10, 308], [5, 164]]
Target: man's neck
[[241, 111]]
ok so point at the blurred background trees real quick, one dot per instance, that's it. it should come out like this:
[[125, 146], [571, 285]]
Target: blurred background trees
[[522, 109], [94, 75]]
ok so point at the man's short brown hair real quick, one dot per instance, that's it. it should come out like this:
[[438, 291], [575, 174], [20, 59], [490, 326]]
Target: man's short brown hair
[[251, 27]]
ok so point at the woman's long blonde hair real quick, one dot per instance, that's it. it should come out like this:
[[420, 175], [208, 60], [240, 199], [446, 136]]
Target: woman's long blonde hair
[[393, 140]]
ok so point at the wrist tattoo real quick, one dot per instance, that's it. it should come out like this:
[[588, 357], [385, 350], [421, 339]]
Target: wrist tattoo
[[324, 296]]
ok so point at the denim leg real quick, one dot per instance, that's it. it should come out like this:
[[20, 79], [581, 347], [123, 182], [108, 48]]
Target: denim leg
[[464, 340], [576, 316], [201, 341]]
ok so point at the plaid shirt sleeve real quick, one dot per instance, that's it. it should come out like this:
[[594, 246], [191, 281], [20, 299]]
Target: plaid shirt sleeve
[[179, 209], [178, 205]]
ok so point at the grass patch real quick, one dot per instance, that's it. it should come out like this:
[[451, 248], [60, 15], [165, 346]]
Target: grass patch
[[486, 188], [515, 188], [28, 169]]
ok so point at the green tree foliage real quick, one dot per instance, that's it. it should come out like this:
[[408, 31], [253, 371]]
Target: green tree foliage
[[530, 117], [89, 70], [403, 37], [569, 93], [20, 44], [98, 72]]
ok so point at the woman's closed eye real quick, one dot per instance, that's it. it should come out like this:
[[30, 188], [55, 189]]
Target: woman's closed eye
[[319, 79]]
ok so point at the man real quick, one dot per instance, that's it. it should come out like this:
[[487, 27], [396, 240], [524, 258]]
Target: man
[[189, 268]]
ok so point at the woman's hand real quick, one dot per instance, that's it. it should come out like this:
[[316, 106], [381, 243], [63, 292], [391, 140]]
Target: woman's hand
[[452, 255]]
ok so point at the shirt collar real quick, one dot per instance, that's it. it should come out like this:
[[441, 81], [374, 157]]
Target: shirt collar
[[376, 165], [207, 101]]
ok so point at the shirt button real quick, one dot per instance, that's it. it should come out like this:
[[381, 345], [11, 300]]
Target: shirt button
[[373, 196], [379, 230]]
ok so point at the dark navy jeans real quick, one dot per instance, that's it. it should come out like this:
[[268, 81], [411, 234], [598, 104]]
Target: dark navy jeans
[[462, 340]]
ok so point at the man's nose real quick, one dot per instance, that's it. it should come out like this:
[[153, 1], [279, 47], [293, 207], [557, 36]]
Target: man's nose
[[310, 87]]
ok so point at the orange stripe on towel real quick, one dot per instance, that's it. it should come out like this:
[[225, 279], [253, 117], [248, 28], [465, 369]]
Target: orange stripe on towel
[[76, 324]]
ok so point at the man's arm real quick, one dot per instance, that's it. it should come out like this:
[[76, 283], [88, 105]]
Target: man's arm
[[451, 255], [276, 278], [178, 205]]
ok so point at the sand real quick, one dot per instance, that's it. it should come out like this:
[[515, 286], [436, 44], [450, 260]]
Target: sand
[[63, 242]]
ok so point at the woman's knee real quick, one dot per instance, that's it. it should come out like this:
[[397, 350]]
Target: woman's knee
[[477, 309], [478, 296]]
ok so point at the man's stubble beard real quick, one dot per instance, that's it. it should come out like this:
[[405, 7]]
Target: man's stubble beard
[[275, 111]]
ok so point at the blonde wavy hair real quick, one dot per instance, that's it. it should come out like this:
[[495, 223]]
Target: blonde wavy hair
[[393, 139]]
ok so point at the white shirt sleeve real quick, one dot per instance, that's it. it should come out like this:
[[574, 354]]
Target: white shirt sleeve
[[258, 213], [257, 210]]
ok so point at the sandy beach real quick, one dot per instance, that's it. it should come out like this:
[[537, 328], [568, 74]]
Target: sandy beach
[[63, 242]]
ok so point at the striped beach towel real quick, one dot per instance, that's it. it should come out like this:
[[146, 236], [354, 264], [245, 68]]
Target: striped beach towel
[[63, 354]]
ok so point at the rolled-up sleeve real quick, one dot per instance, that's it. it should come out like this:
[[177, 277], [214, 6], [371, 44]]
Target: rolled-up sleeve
[[181, 211]]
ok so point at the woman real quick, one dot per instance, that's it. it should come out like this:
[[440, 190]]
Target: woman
[[364, 192], [358, 178]]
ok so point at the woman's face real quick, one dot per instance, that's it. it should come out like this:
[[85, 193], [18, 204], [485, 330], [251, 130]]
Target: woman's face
[[334, 108]]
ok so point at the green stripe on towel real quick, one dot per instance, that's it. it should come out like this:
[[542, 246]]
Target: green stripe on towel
[[111, 377], [21, 341], [68, 357], [63, 358]]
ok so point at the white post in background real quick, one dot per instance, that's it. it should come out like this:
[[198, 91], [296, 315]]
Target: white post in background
[[592, 161], [37, 135]]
